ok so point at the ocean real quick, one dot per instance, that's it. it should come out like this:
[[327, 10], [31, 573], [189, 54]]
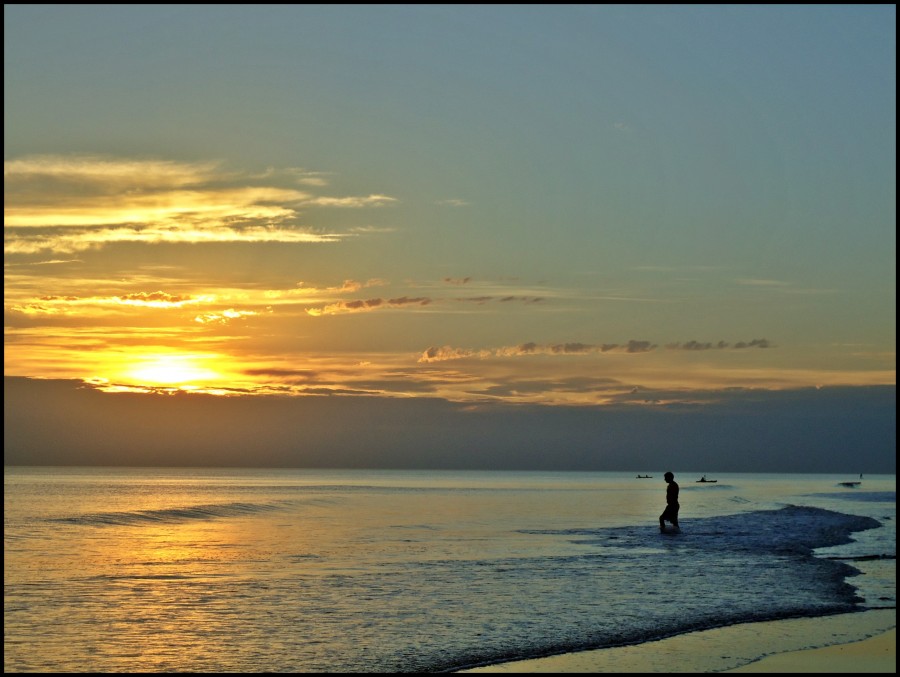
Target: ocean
[[291, 570]]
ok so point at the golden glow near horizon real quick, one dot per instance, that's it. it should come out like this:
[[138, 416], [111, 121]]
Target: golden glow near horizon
[[526, 374]]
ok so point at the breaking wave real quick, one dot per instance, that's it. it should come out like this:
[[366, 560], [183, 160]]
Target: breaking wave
[[172, 515]]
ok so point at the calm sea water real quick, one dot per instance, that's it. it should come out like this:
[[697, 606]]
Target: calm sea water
[[128, 570]]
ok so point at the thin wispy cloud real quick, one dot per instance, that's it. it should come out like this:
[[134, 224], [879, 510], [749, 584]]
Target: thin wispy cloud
[[366, 305], [56, 305], [350, 202], [438, 354], [103, 173], [312, 294], [224, 317], [371, 230], [222, 305], [782, 287], [481, 300], [755, 282], [444, 353], [52, 262], [70, 204], [81, 239], [575, 348], [719, 345]]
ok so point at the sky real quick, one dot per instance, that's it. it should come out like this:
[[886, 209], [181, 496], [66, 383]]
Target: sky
[[554, 234]]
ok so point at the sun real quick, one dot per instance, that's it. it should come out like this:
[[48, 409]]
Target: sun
[[173, 370]]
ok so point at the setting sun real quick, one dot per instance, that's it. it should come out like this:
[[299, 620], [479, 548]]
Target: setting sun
[[173, 370]]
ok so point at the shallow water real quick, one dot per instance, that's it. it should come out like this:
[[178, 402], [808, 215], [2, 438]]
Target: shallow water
[[387, 571]]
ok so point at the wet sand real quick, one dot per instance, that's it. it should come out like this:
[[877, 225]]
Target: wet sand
[[856, 643], [877, 654]]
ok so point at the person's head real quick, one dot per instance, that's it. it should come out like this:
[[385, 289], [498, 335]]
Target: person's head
[[669, 477]]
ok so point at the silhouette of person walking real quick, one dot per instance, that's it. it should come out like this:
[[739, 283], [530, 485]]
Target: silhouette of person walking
[[670, 514]]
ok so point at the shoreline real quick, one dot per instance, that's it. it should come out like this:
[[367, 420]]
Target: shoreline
[[856, 642]]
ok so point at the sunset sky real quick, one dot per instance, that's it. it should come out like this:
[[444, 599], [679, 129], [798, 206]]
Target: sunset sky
[[562, 207]]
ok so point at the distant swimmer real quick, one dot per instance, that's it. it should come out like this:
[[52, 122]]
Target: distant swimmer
[[670, 514]]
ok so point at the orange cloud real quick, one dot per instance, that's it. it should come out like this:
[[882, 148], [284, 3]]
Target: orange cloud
[[57, 304], [365, 305]]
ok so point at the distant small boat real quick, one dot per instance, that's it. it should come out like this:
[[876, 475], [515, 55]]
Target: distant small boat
[[849, 484], [703, 479], [644, 477]]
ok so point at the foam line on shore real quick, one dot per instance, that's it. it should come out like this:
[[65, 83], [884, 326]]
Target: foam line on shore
[[748, 647]]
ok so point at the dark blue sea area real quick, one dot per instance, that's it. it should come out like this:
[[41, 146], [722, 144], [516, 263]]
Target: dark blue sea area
[[641, 585]]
